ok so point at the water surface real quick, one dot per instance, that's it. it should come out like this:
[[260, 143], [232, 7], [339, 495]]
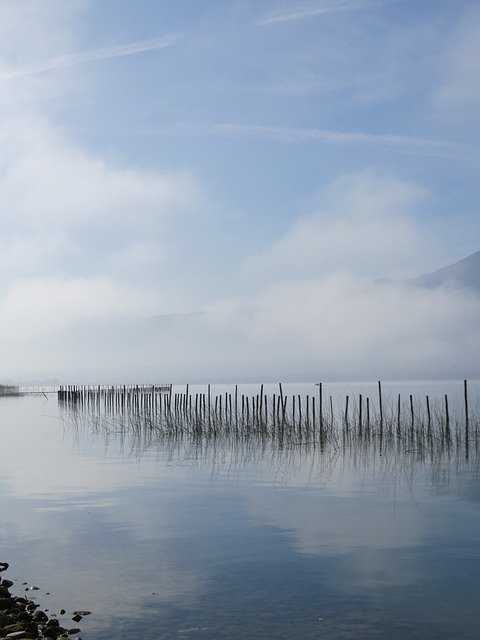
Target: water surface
[[220, 538]]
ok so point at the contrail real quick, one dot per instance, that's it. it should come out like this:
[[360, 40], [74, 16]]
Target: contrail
[[327, 6], [90, 56], [401, 143]]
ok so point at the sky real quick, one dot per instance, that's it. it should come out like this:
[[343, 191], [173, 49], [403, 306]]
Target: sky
[[251, 167]]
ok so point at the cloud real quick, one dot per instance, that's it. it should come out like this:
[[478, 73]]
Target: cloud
[[300, 12], [365, 224], [460, 64], [391, 142], [34, 305], [46, 179], [106, 53], [310, 307]]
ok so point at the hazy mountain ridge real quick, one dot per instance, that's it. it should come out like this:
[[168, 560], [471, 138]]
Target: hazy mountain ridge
[[464, 273]]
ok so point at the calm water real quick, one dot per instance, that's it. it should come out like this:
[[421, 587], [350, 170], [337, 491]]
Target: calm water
[[222, 539]]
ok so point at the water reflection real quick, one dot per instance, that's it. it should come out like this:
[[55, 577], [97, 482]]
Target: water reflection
[[304, 458], [218, 536]]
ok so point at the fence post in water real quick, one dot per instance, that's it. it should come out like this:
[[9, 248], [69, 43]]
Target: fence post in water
[[465, 396], [398, 415], [346, 412], [281, 399], [412, 417], [360, 415], [368, 415], [320, 408], [209, 403], [429, 415], [380, 404], [313, 417], [236, 405], [447, 417]]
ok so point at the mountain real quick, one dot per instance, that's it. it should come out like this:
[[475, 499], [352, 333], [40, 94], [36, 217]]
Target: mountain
[[464, 273]]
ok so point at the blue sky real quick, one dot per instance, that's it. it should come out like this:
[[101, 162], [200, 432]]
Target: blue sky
[[162, 157]]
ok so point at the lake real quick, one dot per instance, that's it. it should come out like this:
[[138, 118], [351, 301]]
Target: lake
[[177, 537]]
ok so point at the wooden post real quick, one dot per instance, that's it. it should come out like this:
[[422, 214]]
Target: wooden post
[[465, 396], [236, 405], [320, 408], [399, 406], [447, 416], [412, 416], [209, 403], [380, 404], [360, 415], [281, 399]]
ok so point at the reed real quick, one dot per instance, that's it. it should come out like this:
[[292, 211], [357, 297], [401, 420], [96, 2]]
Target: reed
[[275, 417]]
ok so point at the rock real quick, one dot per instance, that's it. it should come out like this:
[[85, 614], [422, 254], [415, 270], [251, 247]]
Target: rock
[[40, 616], [53, 623], [6, 603], [4, 593], [21, 618], [4, 566]]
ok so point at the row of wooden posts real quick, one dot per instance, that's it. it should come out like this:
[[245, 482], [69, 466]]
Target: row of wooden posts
[[160, 402]]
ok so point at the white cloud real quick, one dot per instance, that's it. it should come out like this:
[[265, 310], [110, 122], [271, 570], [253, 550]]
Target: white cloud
[[460, 64], [33, 305], [45, 179], [351, 328], [68, 214], [365, 222]]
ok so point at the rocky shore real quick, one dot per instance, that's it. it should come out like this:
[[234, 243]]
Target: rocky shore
[[22, 618]]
